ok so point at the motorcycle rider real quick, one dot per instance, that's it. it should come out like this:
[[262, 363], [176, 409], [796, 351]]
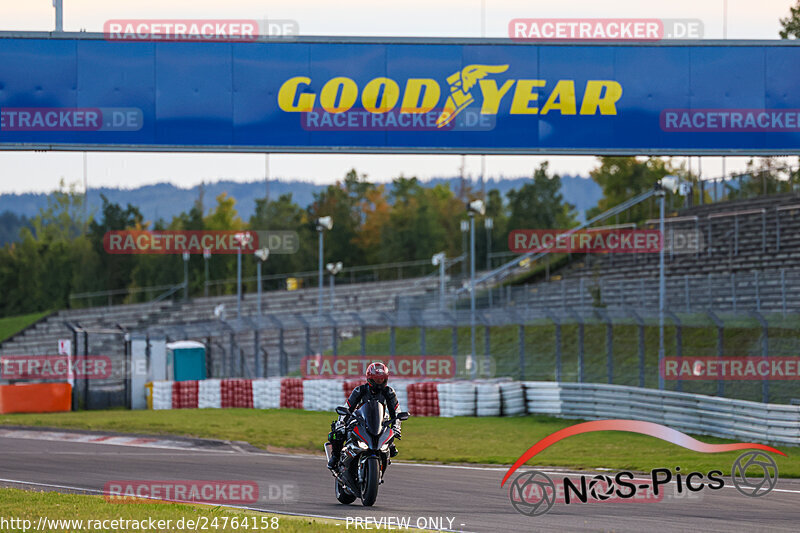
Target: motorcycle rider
[[376, 387]]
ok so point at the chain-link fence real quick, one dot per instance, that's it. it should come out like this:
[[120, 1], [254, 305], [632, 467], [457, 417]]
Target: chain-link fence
[[617, 345], [107, 389]]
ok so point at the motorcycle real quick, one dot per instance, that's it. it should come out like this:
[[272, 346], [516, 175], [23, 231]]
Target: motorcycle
[[365, 454]]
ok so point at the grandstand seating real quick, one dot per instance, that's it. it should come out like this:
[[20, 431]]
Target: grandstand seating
[[109, 324], [761, 234]]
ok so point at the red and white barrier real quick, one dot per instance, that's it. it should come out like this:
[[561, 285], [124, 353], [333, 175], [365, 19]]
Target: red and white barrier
[[236, 393], [209, 394], [427, 398], [292, 393], [184, 395], [267, 393], [423, 399]]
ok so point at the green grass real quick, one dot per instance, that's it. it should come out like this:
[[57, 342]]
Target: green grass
[[699, 338], [14, 324], [33, 505], [447, 440]]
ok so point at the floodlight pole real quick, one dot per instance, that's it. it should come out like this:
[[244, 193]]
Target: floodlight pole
[[206, 257], [319, 295], [185, 275], [239, 282], [472, 292], [58, 4], [258, 280], [441, 282], [661, 290]]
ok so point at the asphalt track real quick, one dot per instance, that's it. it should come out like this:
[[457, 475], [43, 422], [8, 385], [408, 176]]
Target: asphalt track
[[471, 496]]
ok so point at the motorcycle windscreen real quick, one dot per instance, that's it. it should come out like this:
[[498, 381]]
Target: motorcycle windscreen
[[372, 413]]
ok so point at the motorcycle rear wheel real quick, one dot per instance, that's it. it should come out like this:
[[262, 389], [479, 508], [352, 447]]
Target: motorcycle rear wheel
[[369, 490]]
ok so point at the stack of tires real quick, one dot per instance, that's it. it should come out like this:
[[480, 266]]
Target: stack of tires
[[184, 395], [236, 393], [423, 399], [513, 395], [162, 395], [209, 394], [456, 398], [347, 388], [321, 394], [292, 393], [400, 387], [488, 399], [267, 393]]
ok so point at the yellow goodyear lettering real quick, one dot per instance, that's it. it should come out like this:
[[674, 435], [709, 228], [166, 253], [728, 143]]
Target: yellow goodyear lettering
[[384, 89], [594, 98], [338, 95], [421, 95], [562, 98], [425, 88], [524, 95], [492, 95], [288, 94]]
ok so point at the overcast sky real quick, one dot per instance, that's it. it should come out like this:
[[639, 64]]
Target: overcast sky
[[41, 172]]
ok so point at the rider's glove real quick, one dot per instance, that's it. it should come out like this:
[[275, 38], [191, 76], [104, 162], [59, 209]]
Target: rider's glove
[[397, 433]]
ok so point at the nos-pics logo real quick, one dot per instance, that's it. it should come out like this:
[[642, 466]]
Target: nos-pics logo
[[533, 493]]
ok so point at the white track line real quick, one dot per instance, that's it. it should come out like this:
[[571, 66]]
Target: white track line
[[426, 465]]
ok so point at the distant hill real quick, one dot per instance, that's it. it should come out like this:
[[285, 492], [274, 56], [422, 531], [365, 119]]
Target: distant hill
[[164, 200]]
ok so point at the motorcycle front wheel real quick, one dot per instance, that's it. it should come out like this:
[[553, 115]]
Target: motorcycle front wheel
[[341, 495], [369, 488]]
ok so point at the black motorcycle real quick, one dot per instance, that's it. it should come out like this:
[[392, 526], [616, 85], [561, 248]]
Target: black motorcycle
[[365, 454]]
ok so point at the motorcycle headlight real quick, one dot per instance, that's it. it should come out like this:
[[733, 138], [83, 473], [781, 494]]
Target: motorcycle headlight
[[385, 448], [363, 445]]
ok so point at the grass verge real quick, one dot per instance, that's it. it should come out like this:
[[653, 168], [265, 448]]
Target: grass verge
[[446, 440], [13, 324], [61, 512]]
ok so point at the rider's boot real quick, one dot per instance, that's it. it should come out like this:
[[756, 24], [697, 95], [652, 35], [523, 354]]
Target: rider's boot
[[333, 461], [393, 451]]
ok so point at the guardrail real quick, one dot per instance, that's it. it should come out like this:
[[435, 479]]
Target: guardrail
[[691, 413]]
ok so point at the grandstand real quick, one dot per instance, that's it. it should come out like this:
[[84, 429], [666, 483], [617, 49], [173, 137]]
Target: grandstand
[[106, 326], [749, 258]]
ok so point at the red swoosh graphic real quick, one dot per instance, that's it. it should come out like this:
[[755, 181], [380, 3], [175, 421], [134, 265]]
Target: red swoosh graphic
[[635, 426]]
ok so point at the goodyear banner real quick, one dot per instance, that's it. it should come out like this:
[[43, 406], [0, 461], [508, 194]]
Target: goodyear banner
[[400, 95]]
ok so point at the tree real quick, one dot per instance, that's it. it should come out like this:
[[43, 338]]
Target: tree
[[539, 204], [376, 214], [10, 226], [111, 271], [284, 214], [790, 26], [343, 202], [418, 223], [622, 178], [763, 175], [50, 261]]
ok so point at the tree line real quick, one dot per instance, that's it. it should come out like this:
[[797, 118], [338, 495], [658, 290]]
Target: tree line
[[60, 252]]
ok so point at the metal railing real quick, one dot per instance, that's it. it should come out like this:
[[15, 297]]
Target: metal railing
[[691, 413]]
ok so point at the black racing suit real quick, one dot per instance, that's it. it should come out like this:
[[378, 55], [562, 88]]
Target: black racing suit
[[361, 394]]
